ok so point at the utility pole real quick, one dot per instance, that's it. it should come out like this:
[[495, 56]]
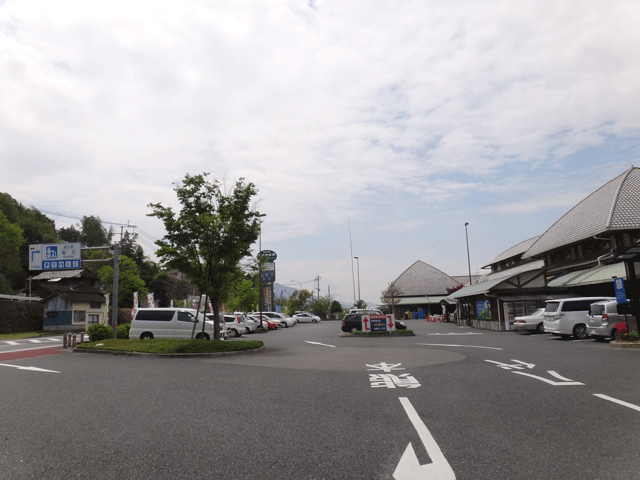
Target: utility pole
[[318, 280]]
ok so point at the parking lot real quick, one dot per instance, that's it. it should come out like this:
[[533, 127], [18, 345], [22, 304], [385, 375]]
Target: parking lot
[[473, 404]]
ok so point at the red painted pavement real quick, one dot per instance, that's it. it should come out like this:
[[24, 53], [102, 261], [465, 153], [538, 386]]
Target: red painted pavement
[[4, 357]]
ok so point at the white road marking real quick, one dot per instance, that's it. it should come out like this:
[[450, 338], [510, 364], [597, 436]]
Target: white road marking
[[33, 369], [322, 344], [619, 402], [448, 345], [35, 341], [10, 342], [26, 349], [444, 334], [409, 467], [565, 381]]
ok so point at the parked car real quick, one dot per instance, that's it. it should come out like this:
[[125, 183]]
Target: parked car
[[282, 320], [530, 323], [606, 318], [150, 323], [568, 316], [235, 326], [249, 324], [266, 321], [302, 317]]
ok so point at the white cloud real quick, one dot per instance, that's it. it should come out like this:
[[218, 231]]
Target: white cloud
[[335, 110]]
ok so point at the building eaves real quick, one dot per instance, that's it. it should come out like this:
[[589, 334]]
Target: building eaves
[[516, 250], [614, 206]]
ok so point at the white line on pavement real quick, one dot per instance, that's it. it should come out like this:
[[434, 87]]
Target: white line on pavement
[[322, 344], [10, 342], [447, 345], [26, 349], [619, 402], [35, 341]]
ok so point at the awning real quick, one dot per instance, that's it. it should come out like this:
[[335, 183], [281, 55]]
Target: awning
[[590, 276], [421, 300], [477, 288]]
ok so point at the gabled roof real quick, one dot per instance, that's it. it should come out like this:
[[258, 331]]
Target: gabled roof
[[59, 274], [516, 250], [422, 279], [614, 206]]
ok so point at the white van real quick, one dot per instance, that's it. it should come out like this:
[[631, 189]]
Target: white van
[[568, 316], [170, 323]]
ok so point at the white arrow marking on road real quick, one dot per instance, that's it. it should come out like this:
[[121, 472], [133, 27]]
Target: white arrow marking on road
[[448, 345], [33, 369], [409, 467], [323, 344]]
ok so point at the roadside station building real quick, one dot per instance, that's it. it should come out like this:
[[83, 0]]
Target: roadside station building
[[576, 256]]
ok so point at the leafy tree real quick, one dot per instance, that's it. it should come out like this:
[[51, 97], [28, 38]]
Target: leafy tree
[[93, 233], [298, 300], [360, 304], [335, 307], [210, 235], [245, 297], [129, 281], [390, 297], [11, 271], [70, 234], [321, 307]]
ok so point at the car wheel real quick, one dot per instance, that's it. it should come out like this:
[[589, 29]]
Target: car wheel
[[246, 330], [614, 332], [146, 336], [580, 331], [202, 336], [540, 328], [233, 333], [314, 321]]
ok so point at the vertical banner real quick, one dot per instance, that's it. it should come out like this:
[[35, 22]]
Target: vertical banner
[[135, 304], [171, 303], [150, 302]]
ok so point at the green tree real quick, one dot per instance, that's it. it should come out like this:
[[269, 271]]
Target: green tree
[[129, 281], [11, 271], [321, 307], [360, 304], [211, 234], [93, 233], [70, 234], [298, 300], [335, 307], [245, 297]]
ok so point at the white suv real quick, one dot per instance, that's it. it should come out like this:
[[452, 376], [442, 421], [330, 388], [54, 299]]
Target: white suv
[[568, 316]]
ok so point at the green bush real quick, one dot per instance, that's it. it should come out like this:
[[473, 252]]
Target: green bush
[[99, 331], [123, 331]]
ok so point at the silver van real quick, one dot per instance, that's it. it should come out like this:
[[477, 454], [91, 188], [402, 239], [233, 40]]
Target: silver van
[[604, 318], [568, 316], [170, 323]]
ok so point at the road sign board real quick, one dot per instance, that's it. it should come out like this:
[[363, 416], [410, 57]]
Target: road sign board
[[55, 256], [618, 284], [268, 255]]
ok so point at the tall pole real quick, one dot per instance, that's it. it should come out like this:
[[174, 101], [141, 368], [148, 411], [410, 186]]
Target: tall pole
[[468, 257], [352, 275], [114, 305], [358, 264], [260, 267]]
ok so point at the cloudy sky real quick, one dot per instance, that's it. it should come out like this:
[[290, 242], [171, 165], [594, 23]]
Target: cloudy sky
[[372, 127]]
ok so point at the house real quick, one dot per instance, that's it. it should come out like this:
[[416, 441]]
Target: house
[[73, 299]]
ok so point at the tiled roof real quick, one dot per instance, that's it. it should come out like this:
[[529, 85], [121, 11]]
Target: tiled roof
[[58, 274], [422, 279], [614, 206], [516, 250]]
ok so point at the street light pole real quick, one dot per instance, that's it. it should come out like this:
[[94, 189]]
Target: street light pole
[[468, 257], [260, 267], [358, 264]]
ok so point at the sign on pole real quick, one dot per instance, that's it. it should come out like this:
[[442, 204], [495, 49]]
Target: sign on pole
[[621, 296], [268, 255], [55, 256]]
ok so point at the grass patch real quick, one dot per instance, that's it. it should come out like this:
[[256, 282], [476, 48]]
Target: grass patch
[[171, 345], [18, 336]]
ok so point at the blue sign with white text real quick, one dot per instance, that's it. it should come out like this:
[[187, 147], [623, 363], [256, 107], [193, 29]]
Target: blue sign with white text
[[618, 284]]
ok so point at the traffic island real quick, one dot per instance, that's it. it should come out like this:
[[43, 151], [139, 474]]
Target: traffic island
[[393, 333], [624, 344], [171, 347]]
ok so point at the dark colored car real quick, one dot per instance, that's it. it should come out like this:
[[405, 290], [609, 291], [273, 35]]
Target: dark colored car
[[352, 322]]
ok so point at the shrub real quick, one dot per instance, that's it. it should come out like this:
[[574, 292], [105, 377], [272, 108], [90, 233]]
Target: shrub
[[99, 331], [123, 331]]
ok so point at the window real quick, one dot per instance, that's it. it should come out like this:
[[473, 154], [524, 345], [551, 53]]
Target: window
[[185, 317], [79, 316], [155, 315], [94, 319]]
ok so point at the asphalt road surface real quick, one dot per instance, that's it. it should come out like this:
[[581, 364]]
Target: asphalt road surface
[[447, 403]]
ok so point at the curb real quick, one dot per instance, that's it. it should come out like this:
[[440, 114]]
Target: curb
[[617, 344], [171, 355]]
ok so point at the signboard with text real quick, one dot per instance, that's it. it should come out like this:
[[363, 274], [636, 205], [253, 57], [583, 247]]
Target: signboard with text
[[55, 256]]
